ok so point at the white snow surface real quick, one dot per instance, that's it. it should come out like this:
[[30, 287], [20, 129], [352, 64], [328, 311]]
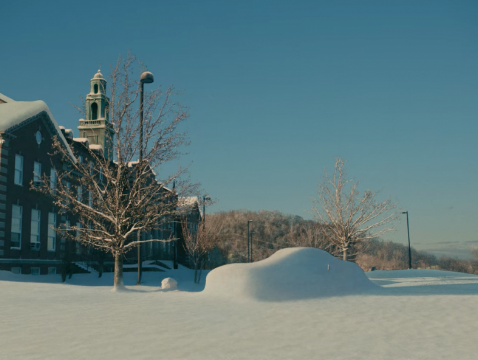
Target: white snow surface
[[414, 314], [5, 98], [289, 274]]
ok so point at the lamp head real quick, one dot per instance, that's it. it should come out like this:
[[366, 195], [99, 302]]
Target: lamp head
[[404, 212], [146, 77]]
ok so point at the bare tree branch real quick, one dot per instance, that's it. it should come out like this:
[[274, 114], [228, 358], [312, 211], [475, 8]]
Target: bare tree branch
[[110, 194], [348, 219]]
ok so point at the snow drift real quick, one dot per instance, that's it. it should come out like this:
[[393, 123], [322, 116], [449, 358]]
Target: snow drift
[[289, 274]]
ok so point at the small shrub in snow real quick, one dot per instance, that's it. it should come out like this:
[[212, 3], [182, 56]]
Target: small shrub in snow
[[169, 284]]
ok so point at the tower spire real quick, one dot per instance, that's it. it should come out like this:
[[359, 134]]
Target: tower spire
[[96, 127]]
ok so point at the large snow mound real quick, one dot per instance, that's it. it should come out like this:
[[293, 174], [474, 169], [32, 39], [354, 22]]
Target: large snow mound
[[289, 274]]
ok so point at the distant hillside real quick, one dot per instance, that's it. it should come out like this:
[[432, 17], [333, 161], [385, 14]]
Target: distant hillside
[[273, 230]]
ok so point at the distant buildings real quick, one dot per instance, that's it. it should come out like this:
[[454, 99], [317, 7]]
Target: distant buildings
[[28, 245]]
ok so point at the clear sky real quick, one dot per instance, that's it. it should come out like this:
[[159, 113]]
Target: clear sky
[[278, 89]]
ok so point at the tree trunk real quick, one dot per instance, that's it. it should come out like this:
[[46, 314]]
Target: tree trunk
[[195, 271], [345, 254], [200, 269], [100, 269], [118, 279]]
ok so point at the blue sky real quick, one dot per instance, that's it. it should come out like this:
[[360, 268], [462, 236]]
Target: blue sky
[[278, 89]]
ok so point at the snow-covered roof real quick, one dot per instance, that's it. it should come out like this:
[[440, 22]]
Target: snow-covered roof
[[96, 147], [13, 114], [189, 202], [98, 75], [69, 133], [5, 99], [81, 140], [135, 162]]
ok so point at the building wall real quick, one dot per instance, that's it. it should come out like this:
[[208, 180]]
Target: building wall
[[3, 194], [27, 198], [193, 219], [22, 141]]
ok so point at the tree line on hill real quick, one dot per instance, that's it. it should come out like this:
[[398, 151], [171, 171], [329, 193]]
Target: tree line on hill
[[273, 230]]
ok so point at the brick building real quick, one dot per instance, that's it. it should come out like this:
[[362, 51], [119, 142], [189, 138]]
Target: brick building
[[28, 244]]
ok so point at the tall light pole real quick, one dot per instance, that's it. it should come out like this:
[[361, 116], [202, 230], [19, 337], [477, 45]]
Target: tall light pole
[[248, 249], [204, 199], [409, 248], [146, 78], [252, 233]]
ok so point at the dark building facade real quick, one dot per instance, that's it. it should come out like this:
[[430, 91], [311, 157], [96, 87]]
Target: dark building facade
[[28, 244]]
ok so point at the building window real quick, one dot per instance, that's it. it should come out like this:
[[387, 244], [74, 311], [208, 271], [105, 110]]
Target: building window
[[36, 172], [51, 270], [16, 270], [78, 237], [35, 230], [80, 159], [16, 232], [78, 193], [18, 169], [101, 173], [94, 111], [35, 271], [68, 187], [91, 167], [67, 227], [90, 199], [53, 178], [51, 232]]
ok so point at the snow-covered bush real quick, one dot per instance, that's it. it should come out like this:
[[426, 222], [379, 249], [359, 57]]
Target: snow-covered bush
[[169, 284]]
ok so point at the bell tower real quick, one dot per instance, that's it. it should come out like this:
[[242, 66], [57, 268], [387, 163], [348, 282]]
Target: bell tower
[[96, 127]]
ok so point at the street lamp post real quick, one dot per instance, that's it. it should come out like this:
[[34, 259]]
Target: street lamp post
[[204, 199], [248, 248], [409, 248], [252, 233], [146, 78]]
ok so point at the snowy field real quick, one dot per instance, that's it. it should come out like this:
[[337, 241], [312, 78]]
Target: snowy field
[[264, 310]]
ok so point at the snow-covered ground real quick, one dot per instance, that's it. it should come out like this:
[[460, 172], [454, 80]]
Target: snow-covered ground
[[411, 314]]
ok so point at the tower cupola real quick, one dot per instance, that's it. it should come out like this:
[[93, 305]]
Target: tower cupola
[[96, 127], [96, 100]]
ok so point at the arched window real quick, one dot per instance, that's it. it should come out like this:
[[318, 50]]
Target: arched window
[[94, 111], [95, 88]]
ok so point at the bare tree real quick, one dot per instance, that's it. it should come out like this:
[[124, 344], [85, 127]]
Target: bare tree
[[474, 253], [199, 242], [115, 197], [350, 220], [310, 235]]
